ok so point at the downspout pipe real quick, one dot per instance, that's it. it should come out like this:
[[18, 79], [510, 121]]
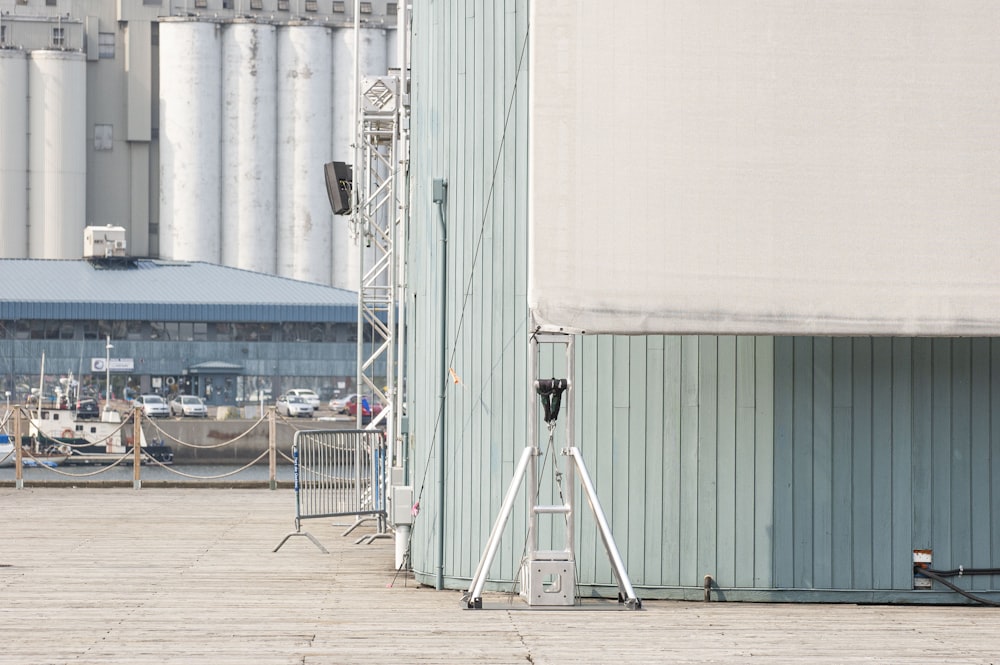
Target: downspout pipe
[[440, 198]]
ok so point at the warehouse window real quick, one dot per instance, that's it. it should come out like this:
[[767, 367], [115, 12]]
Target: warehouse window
[[106, 45], [3, 34], [50, 3], [366, 8], [58, 37], [256, 4], [391, 8], [312, 6], [283, 5], [201, 4], [339, 7]]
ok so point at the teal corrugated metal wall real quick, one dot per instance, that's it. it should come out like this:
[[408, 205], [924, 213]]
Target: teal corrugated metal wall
[[883, 446], [786, 468]]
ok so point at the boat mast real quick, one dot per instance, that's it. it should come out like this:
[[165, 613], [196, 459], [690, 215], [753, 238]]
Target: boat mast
[[41, 387]]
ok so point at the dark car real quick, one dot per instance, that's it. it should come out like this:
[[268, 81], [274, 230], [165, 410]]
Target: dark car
[[87, 408]]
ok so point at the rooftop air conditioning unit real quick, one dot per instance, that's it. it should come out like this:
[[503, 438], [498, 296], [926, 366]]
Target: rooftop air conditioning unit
[[103, 242]]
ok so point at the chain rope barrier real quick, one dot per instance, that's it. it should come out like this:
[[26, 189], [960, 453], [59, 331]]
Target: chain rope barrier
[[58, 447]]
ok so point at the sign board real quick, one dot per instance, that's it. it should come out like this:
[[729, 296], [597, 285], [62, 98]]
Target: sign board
[[115, 365]]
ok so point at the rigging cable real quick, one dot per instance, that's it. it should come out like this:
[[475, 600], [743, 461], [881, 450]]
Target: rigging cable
[[475, 258]]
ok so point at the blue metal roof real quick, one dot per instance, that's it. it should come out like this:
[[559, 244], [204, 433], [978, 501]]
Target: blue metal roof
[[154, 290]]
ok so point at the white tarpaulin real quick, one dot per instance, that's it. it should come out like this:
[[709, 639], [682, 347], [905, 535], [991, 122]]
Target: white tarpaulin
[[767, 167]]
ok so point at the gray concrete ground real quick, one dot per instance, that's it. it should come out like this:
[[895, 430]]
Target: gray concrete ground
[[169, 575]]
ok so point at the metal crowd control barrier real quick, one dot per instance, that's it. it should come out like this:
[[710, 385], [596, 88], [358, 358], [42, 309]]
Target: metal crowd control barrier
[[338, 473]]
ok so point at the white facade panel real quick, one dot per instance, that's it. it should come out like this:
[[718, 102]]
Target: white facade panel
[[14, 148], [304, 102], [782, 168], [57, 154], [249, 172], [190, 127]]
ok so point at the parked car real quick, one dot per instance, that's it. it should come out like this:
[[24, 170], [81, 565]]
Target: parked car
[[339, 404], [310, 397], [153, 406], [373, 407], [188, 405], [87, 408], [294, 406]]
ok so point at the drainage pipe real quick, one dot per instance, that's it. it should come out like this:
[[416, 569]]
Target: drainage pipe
[[440, 197]]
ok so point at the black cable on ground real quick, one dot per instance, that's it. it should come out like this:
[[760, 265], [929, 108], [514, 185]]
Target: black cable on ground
[[937, 576]]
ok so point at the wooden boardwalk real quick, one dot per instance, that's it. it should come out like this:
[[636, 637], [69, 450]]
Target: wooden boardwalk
[[189, 576]]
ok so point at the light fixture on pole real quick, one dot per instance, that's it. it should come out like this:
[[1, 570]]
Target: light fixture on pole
[[107, 374]]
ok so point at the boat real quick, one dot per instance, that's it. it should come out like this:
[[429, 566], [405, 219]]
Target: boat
[[52, 455], [89, 441]]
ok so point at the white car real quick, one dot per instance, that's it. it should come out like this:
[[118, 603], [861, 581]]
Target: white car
[[339, 404], [294, 406], [188, 405], [310, 397], [153, 406]]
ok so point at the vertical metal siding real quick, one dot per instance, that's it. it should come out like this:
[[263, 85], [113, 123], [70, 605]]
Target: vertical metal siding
[[899, 455]]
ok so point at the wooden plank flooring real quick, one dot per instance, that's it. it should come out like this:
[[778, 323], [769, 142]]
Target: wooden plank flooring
[[189, 576]]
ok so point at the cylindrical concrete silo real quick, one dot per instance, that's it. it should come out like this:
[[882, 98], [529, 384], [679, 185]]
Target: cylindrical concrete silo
[[304, 101], [372, 57], [190, 125], [249, 123], [14, 151], [57, 154]]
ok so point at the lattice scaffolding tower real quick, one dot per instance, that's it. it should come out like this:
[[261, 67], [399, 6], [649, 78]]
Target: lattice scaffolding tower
[[378, 217]]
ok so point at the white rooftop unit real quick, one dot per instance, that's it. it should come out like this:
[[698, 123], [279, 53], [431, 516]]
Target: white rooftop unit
[[102, 242]]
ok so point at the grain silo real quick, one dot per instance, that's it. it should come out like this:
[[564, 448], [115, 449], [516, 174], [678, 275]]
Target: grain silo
[[57, 157], [190, 110], [372, 62], [249, 123], [14, 148], [304, 101]]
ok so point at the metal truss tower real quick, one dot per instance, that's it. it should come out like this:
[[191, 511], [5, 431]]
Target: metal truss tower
[[379, 219]]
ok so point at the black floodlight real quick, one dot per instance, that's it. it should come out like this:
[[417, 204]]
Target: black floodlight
[[339, 184]]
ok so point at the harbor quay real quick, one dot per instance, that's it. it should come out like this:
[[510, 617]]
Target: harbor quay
[[190, 575]]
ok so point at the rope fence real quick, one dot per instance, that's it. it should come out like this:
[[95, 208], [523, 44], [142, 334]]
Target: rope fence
[[54, 442]]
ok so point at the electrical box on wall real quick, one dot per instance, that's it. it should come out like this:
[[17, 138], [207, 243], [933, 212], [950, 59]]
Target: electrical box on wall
[[922, 559]]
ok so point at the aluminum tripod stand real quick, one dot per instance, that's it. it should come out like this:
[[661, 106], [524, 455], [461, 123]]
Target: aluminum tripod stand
[[548, 577]]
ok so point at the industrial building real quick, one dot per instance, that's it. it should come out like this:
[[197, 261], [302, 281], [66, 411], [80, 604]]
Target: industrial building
[[199, 126], [799, 456], [231, 336]]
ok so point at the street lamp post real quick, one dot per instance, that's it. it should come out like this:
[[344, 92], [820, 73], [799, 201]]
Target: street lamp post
[[107, 374]]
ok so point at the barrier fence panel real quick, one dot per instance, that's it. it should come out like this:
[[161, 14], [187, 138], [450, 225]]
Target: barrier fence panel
[[338, 473]]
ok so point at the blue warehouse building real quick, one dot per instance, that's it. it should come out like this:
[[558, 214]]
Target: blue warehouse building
[[226, 334]]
